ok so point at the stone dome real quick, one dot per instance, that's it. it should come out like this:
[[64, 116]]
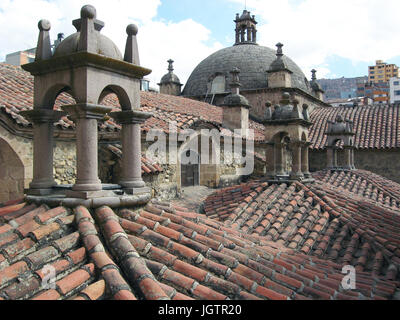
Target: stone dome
[[170, 78], [105, 46], [253, 60]]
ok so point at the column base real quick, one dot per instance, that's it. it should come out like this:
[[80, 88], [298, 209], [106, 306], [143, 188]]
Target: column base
[[132, 184], [296, 176], [134, 191], [89, 194], [39, 192], [87, 187], [307, 175]]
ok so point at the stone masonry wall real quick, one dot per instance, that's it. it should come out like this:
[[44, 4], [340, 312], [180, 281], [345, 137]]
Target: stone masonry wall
[[64, 162], [385, 163]]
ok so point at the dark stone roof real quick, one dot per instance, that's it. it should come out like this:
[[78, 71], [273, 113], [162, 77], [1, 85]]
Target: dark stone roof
[[170, 78], [252, 60]]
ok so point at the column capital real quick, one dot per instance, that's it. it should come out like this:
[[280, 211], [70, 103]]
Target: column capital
[[86, 111], [38, 116], [131, 116]]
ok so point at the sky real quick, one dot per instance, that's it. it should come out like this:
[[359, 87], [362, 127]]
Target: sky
[[339, 38]]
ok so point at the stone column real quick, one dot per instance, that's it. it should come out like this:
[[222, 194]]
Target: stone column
[[348, 158], [270, 160], [296, 164], [279, 159], [305, 160], [131, 178], [86, 116], [43, 143]]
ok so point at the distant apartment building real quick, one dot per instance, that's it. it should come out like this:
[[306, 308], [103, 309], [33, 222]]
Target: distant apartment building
[[382, 72], [21, 57], [394, 90], [378, 92]]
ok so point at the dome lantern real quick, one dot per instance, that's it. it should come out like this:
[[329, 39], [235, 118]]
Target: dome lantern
[[170, 83], [246, 30]]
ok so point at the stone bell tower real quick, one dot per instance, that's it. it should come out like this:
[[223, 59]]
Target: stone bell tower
[[286, 140], [88, 66], [340, 132]]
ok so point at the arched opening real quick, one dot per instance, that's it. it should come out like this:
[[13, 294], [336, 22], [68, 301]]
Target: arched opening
[[116, 97], [64, 152], [57, 96], [12, 173]]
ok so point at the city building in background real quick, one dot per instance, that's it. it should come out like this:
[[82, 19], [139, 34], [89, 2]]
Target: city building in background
[[382, 72], [394, 90], [21, 57], [378, 92]]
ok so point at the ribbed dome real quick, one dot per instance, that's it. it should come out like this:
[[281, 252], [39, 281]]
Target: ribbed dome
[[253, 61], [105, 46]]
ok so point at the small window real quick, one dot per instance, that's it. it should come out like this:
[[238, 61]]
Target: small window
[[218, 84]]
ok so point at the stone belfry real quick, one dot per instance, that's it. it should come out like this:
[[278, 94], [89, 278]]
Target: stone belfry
[[246, 28], [287, 140], [88, 66], [340, 132]]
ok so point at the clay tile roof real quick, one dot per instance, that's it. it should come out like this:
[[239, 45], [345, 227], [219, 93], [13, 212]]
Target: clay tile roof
[[281, 242], [342, 219], [16, 94], [376, 127]]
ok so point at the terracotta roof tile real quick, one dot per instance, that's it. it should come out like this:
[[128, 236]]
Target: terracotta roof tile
[[16, 94], [376, 127]]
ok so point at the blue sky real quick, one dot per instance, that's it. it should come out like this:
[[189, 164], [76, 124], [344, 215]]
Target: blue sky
[[338, 38]]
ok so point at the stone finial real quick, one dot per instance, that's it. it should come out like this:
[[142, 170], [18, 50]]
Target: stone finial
[[268, 111], [235, 84], [313, 75], [170, 65], [285, 99], [279, 51], [88, 25], [131, 48], [296, 114], [43, 49]]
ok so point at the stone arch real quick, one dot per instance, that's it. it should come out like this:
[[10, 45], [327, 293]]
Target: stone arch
[[12, 173], [122, 95], [51, 95]]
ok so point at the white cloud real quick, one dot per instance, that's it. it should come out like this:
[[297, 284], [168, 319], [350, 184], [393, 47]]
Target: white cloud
[[313, 30], [159, 40]]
